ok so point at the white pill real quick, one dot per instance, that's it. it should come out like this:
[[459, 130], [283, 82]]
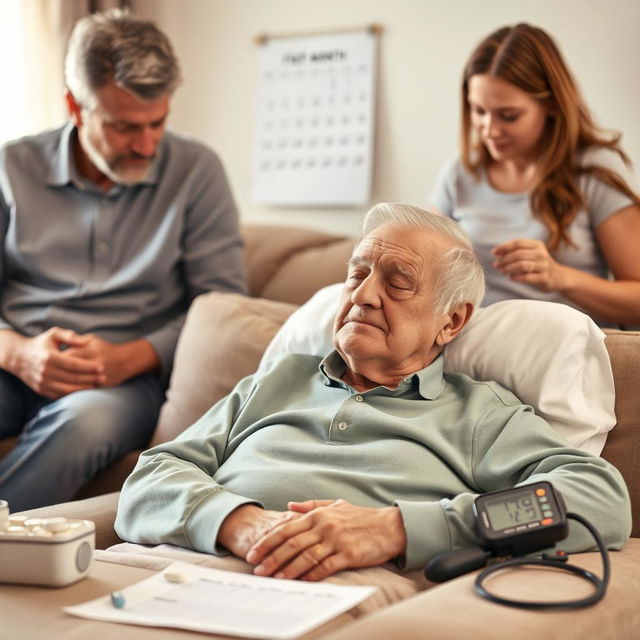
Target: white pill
[[174, 576], [55, 525]]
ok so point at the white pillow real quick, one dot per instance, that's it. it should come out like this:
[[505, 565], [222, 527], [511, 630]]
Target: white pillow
[[550, 355]]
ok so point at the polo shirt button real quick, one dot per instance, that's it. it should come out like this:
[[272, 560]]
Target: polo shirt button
[[359, 399], [342, 426]]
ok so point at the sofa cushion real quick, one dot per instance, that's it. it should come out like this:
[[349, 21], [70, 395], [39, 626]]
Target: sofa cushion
[[453, 611], [221, 342]]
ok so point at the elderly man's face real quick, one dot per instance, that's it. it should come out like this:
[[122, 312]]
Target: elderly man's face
[[386, 328]]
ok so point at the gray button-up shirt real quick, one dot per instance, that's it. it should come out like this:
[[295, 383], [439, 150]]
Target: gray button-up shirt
[[124, 264]]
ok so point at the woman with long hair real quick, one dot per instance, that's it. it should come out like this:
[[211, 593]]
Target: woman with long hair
[[547, 197]]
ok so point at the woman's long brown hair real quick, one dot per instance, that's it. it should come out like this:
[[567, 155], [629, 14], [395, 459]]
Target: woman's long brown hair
[[529, 59]]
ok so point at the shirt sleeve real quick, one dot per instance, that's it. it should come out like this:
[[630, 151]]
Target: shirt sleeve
[[213, 257], [603, 200], [164, 341], [171, 496], [442, 196], [512, 446]]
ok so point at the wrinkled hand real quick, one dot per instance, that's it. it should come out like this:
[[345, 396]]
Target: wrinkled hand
[[53, 366], [529, 261], [328, 537], [109, 357], [247, 524]]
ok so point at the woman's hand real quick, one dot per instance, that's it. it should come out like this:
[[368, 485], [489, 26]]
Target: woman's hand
[[529, 261]]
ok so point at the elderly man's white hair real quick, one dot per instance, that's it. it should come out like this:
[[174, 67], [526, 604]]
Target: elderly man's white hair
[[458, 276], [116, 46]]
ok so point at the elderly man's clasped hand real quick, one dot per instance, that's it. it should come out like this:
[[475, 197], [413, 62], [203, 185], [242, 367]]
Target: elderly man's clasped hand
[[316, 538]]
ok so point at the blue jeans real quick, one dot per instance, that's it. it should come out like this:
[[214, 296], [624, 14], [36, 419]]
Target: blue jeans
[[64, 443]]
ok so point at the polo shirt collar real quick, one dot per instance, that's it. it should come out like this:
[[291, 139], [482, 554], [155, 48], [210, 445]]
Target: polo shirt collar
[[431, 379], [428, 381]]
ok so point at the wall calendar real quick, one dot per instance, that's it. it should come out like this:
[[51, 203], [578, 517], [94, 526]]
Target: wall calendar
[[315, 120]]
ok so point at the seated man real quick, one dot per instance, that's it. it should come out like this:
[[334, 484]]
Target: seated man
[[370, 454], [109, 228]]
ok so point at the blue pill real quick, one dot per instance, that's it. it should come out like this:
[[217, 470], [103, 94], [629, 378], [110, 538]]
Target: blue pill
[[117, 600]]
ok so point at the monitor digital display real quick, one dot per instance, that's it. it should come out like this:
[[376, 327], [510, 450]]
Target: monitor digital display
[[512, 511]]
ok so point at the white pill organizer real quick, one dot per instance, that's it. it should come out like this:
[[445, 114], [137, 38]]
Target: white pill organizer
[[52, 552]]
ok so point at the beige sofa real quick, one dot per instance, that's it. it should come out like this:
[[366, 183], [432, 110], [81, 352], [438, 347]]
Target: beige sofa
[[222, 341]]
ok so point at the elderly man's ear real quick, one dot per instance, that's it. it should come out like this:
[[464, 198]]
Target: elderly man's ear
[[457, 319]]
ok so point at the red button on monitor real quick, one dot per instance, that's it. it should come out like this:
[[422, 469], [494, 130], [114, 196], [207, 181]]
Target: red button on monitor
[[547, 521]]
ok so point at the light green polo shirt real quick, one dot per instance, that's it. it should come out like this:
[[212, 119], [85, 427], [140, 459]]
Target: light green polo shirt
[[296, 431]]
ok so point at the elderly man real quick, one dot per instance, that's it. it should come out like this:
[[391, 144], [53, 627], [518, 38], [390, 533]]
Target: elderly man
[[370, 454], [109, 228]]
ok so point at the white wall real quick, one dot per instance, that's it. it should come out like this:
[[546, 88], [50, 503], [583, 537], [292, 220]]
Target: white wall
[[422, 50]]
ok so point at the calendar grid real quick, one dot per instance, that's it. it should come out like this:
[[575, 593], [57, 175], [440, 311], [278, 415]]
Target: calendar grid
[[314, 139]]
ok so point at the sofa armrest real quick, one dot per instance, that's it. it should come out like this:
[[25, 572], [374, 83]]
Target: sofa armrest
[[101, 510]]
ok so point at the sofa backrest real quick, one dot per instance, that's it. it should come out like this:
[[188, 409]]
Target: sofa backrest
[[623, 443], [289, 264]]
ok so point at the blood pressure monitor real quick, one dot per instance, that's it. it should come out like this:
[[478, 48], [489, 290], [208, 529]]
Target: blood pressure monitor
[[518, 521], [515, 523]]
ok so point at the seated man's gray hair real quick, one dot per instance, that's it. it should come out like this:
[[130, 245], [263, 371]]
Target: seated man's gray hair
[[117, 46], [459, 276]]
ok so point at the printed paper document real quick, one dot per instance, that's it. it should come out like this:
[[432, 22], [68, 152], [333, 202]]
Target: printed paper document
[[215, 601]]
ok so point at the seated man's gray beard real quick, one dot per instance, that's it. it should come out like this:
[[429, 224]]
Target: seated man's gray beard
[[119, 176]]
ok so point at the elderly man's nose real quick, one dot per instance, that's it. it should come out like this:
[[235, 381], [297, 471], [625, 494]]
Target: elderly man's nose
[[366, 294]]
